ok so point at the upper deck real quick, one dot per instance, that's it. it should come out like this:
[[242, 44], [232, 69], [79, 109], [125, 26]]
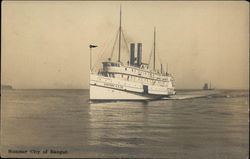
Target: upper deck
[[143, 71]]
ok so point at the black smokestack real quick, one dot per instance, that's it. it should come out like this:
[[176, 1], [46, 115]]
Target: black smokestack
[[132, 54], [139, 54]]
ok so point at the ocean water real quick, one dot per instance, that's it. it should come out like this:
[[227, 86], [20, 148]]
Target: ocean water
[[63, 123]]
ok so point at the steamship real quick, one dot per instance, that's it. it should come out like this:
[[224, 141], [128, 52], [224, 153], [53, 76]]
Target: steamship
[[130, 80]]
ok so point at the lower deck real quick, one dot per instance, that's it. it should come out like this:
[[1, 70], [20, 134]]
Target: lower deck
[[106, 88]]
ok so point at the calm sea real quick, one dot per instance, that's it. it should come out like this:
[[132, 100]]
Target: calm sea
[[63, 123]]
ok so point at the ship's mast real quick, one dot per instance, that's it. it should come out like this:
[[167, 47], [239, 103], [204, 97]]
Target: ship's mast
[[120, 30], [167, 67], [154, 49]]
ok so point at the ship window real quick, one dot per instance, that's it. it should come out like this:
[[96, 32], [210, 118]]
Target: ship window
[[106, 64]]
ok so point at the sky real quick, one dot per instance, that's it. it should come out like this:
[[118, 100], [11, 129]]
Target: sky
[[45, 45]]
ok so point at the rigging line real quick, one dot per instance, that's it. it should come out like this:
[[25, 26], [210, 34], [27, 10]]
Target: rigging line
[[150, 56], [154, 47], [97, 61], [158, 55], [120, 29], [103, 51], [126, 44], [113, 48]]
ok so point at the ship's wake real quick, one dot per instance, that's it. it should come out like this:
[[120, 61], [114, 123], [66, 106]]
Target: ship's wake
[[185, 95], [208, 94]]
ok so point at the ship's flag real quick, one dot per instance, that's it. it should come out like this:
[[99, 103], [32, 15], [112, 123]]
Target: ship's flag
[[92, 46]]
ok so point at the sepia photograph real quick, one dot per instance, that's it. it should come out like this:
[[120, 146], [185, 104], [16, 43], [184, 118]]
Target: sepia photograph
[[125, 79]]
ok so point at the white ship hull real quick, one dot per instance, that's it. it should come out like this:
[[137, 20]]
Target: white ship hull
[[105, 88], [103, 93]]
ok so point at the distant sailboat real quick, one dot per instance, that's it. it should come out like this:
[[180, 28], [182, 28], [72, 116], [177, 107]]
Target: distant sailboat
[[205, 87]]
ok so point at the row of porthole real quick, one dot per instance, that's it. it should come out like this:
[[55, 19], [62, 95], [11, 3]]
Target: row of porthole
[[119, 83], [134, 85], [140, 79], [139, 72], [108, 80], [150, 75]]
